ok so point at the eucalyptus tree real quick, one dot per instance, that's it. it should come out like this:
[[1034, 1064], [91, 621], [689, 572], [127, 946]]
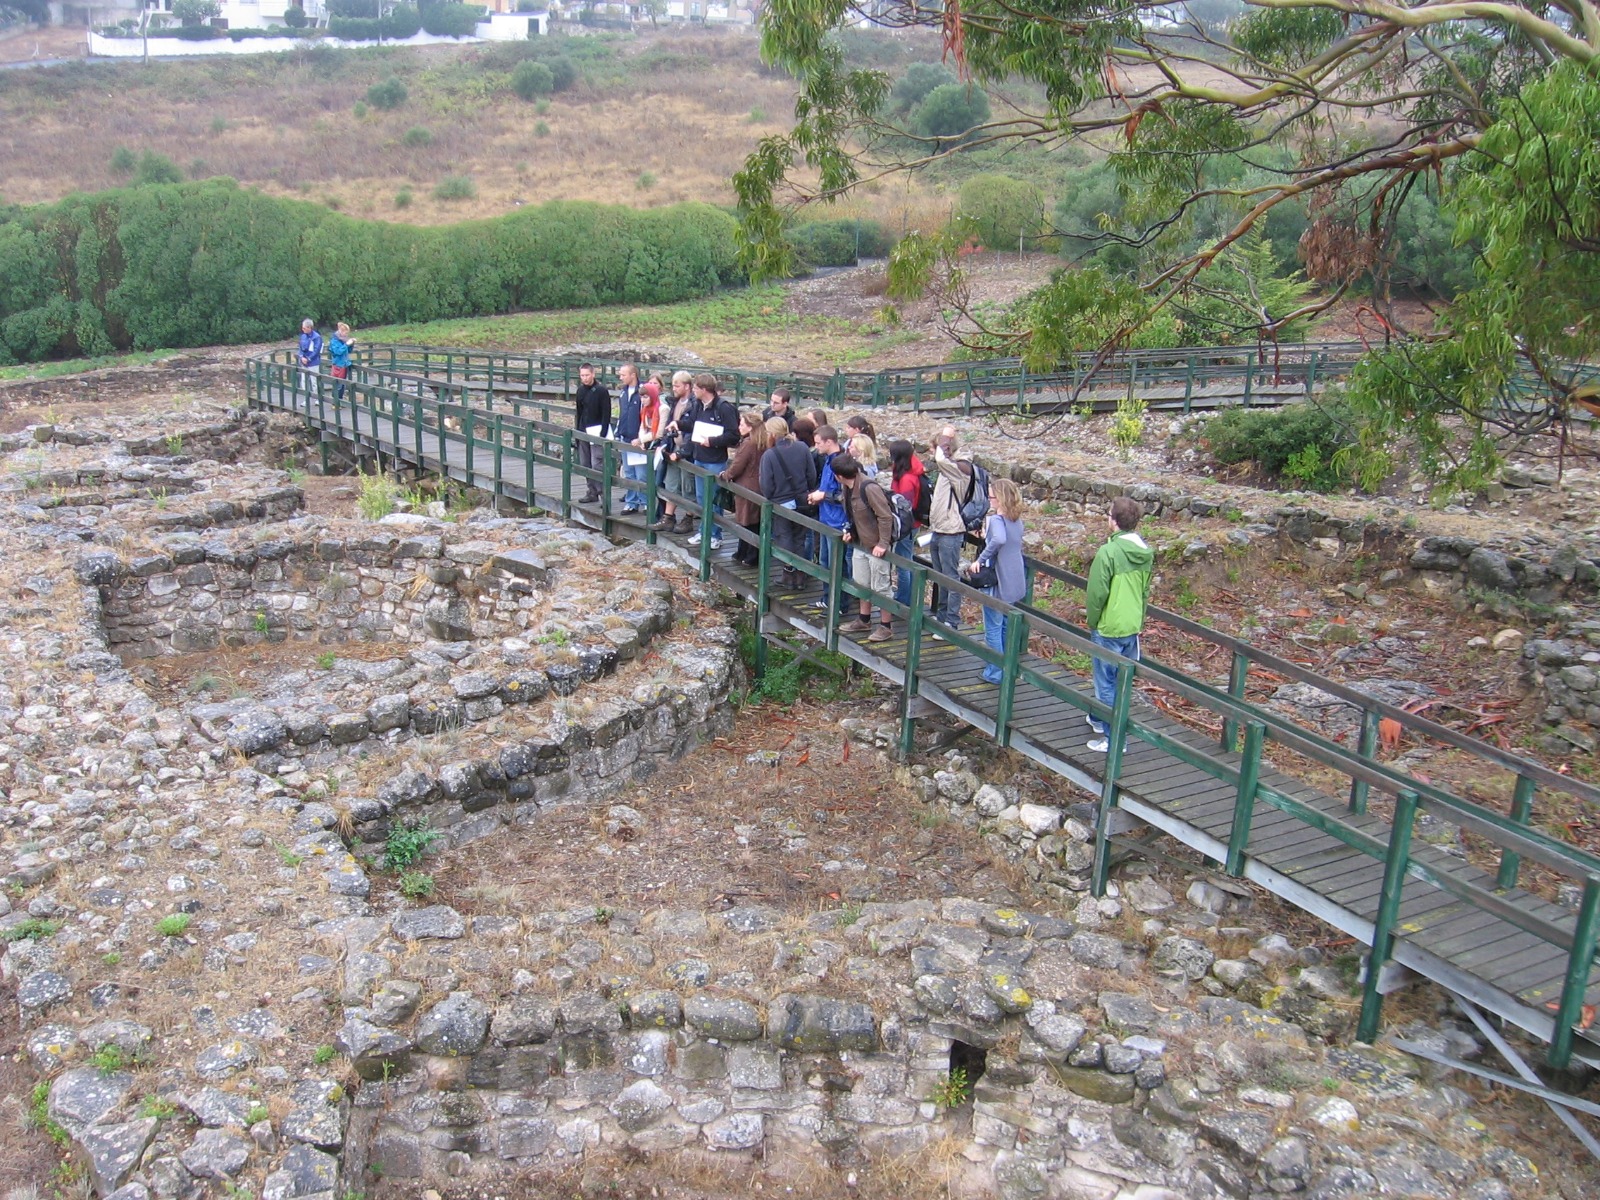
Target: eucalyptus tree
[[1492, 106]]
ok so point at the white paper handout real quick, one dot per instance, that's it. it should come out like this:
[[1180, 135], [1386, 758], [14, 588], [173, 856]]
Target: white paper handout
[[594, 430], [633, 458], [704, 431]]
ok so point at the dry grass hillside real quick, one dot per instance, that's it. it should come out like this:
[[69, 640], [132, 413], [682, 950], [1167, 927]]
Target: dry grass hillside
[[655, 118]]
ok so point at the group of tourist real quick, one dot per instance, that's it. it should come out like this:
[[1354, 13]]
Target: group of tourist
[[805, 464]]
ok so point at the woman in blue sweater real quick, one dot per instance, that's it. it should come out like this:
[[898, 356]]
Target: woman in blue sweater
[[1002, 548]]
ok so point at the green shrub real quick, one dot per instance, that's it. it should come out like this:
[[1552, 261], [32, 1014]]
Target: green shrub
[[532, 79], [452, 20], [415, 885], [174, 926], [455, 187], [123, 160], [387, 93], [155, 168], [912, 88], [209, 263], [294, 17], [402, 198], [833, 243], [355, 29], [403, 21], [418, 135], [407, 843], [950, 110], [1001, 211], [645, 181], [563, 71], [1296, 442], [541, 129], [360, 110]]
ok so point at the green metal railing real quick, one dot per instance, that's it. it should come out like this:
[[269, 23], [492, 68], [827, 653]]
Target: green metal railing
[[494, 449]]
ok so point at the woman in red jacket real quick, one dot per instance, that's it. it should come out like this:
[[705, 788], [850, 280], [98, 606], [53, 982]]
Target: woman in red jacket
[[906, 469]]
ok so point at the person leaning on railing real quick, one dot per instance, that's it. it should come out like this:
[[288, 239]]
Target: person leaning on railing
[[1117, 594], [871, 532], [788, 476], [999, 567], [744, 469]]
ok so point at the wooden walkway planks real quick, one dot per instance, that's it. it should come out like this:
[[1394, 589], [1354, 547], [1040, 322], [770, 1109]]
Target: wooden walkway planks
[[1513, 971]]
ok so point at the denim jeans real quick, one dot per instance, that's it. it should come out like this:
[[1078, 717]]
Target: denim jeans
[[634, 497], [1105, 671], [828, 546], [902, 575], [994, 636], [946, 550]]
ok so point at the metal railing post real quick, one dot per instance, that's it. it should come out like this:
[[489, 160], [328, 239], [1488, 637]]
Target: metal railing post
[[1576, 984], [466, 430], [1521, 813], [566, 474], [919, 586], [1238, 679], [499, 457], [1016, 641], [835, 583], [1394, 877], [651, 497], [708, 526], [1244, 803], [608, 460], [1118, 730], [1366, 747], [763, 575]]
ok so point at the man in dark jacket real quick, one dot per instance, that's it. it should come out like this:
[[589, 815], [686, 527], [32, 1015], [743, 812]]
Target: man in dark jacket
[[630, 401], [788, 476], [591, 415], [781, 407], [712, 426]]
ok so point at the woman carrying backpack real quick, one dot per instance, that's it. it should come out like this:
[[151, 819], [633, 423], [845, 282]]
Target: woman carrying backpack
[[912, 482], [1001, 554]]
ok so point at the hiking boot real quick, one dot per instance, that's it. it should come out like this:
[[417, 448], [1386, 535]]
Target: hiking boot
[[881, 634], [665, 525], [686, 525]]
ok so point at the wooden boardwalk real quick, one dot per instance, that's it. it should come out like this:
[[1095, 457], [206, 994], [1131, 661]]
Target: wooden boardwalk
[[1500, 948]]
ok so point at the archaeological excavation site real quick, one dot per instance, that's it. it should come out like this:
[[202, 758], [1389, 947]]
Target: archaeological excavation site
[[367, 836]]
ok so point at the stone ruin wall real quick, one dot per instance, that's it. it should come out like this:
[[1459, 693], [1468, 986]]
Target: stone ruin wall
[[325, 590]]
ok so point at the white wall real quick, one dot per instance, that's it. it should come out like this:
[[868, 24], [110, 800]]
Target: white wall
[[104, 47]]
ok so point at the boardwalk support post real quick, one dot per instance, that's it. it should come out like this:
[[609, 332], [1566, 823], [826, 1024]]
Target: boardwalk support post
[[908, 693], [1521, 811], [1579, 962], [608, 466], [1014, 644], [650, 497], [1244, 803], [1394, 877], [708, 525], [1108, 791], [566, 474], [1238, 677], [830, 619], [1368, 746], [763, 586]]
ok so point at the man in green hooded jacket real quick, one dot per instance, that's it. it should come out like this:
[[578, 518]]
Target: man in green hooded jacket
[[1119, 588]]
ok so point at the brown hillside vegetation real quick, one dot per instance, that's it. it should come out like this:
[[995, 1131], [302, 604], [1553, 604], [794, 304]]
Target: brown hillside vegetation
[[671, 118]]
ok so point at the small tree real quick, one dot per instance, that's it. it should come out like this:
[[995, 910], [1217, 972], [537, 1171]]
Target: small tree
[[192, 12], [1001, 211], [389, 93], [951, 110], [294, 17], [532, 79], [912, 88]]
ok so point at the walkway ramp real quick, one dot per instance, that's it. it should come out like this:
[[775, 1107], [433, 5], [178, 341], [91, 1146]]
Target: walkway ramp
[[1349, 859]]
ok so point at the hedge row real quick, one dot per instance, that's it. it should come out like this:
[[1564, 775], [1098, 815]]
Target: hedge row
[[212, 263]]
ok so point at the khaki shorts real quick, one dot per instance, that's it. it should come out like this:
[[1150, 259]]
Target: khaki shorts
[[869, 572]]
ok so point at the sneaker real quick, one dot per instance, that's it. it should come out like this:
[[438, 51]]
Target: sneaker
[[665, 525], [1089, 721], [630, 509], [685, 525], [716, 543], [695, 540], [857, 626], [881, 634], [1099, 745]]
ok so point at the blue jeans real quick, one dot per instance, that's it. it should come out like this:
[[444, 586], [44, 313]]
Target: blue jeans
[[1105, 671], [826, 547], [634, 497], [902, 575], [946, 552], [994, 636], [700, 487]]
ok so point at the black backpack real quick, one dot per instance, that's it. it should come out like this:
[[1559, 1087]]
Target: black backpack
[[923, 508], [976, 506], [904, 521]]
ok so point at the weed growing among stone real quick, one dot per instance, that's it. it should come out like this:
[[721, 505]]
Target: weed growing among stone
[[158, 1107], [416, 885], [173, 926], [109, 1059], [407, 844], [326, 659], [39, 1115], [952, 1091], [378, 495], [30, 929], [323, 1055]]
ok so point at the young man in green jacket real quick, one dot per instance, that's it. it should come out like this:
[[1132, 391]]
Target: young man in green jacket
[[1119, 588]]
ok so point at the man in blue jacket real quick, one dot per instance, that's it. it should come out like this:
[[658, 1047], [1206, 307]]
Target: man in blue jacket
[[310, 355], [829, 499], [629, 401]]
